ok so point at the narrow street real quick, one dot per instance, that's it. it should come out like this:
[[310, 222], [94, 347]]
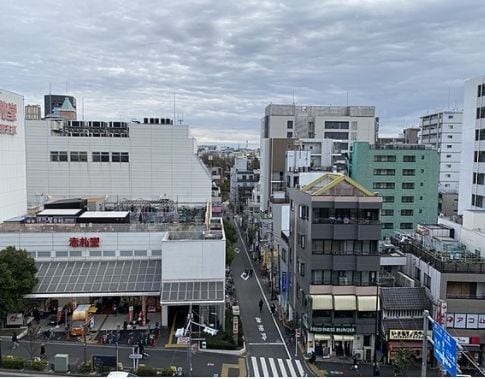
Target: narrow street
[[268, 354]]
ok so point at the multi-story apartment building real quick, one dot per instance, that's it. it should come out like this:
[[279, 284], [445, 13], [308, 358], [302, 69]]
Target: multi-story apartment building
[[454, 280], [32, 112], [333, 264], [472, 161], [406, 176], [242, 182], [282, 124], [150, 160], [442, 131], [13, 194]]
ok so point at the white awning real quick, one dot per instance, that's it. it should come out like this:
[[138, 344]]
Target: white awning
[[322, 337], [337, 337], [321, 302], [344, 303], [367, 303]]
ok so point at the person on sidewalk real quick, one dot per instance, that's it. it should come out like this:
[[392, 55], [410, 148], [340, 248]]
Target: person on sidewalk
[[42, 350], [15, 342], [261, 305], [273, 308]]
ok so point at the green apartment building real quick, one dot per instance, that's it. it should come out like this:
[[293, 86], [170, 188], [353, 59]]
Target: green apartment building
[[406, 176]]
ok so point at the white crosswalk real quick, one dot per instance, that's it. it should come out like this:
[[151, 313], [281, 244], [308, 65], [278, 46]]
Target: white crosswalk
[[275, 367]]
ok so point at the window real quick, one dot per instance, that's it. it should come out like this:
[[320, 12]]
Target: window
[[284, 255], [289, 134], [317, 247], [156, 253], [479, 134], [449, 136], [409, 158], [384, 185], [79, 156], [427, 281], [336, 124], [449, 146], [450, 126], [408, 172], [417, 273], [116, 157], [54, 156], [450, 116], [317, 277], [384, 158], [289, 124], [407, 212], [448, 155], [478, 178], [302, 241], [58, 156], [384, 171], [387, 212], [125, 157], [407, 199], [387, 225], [388, 199], [301, 268], [406, 225], [408, 186], [477, 201], [479, 156], [96, 156], [304, 212], [337, 135]]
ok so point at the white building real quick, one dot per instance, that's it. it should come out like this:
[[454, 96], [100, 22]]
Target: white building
[[13, 193], [150, 160], [282, 124], [472, 167], [243, 179], [84, 262], [442, 130]]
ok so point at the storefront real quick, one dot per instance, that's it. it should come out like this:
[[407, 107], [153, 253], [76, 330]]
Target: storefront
[[331, 340], [409, 339]]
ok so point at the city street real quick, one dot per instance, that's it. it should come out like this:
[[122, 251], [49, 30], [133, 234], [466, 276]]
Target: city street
[[268, 354], [203, 363]]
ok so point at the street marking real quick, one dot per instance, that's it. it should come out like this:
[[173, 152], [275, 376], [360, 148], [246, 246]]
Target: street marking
[[290, 367], [261, 328], [255, 366], [282, 367], [265, 343], [300, 368], [263, 336], [244, 276], [264, 367], [261, 289], [258, 320], [273, 366]]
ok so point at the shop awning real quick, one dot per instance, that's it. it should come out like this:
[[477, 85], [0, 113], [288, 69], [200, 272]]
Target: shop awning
[[367, 303], [321, 302], [192, 292], [344, 303], [337, 337], [93, 278], [322, 337]]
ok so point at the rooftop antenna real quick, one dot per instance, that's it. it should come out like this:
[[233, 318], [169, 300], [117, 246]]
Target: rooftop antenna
[[174, 118], [449, 94], [347, 98], [48, 112], [293, 96], [82, 100], [66, 88]]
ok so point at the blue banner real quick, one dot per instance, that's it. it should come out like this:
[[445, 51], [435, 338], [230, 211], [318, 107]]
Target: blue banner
[[283, 281], [444, 349]]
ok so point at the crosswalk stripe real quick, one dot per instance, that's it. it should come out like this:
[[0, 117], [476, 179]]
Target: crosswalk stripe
[[255, 366], [264, 367], [300, 368], [273, 367], [282, 367], [290, 367]]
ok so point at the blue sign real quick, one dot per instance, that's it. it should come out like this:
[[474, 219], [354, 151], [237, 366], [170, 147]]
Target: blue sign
[[445, 349], [283, 281]]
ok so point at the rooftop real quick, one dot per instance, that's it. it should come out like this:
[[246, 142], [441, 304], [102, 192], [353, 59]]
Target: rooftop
[[402, 298]]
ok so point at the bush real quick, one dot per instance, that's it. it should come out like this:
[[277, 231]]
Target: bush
[[13, 363], [85, 367], [167, 371], [39, 365], [146, 371]]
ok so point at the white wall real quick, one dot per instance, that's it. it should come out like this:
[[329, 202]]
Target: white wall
[[162, 164], [193, 260], [13, 192]]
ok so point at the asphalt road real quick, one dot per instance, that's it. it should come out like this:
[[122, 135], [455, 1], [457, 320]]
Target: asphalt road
[[265, 344], [203, 363]]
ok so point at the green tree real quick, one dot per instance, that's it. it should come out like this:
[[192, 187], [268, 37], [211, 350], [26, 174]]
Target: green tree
[[17, 278], [403, 360], [230, 232]]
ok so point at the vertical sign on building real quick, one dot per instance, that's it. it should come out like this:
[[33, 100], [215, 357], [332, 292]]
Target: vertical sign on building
[[445, 349], [283, 281]]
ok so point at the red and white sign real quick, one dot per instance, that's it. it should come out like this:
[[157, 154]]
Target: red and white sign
[[84, 242], [297, 333], [450, 320], [8, 112], [235, 326], [130, 313]]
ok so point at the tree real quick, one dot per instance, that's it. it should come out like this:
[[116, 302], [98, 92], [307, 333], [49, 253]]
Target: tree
[[403, 359], [17, 278]]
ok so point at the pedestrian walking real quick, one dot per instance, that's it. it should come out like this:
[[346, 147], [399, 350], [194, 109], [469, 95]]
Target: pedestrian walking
[[250, 272], [15, 342], [125, 325], [42, 350], [273, 309], [260, 305], [377, 371]]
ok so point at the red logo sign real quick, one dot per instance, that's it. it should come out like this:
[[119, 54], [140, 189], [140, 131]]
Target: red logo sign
[[84, 242], [8, 111]]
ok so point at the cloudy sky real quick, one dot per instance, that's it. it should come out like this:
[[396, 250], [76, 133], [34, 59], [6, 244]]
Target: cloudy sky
[[224, 61]]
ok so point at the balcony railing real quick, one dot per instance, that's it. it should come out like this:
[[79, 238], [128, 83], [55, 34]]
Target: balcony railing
[[333, 220]]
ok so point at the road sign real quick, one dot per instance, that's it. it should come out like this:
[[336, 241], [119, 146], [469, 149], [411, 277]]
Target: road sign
[[445, 349], [135, 356], [297, 333]]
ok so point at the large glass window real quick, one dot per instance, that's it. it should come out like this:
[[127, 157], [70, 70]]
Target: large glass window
[[336, 124]]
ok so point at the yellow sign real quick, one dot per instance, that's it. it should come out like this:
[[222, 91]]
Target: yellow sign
[[399, 334]]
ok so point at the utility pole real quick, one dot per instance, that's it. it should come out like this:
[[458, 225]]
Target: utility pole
[[424, 351], [85, 343], [189, 349]]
